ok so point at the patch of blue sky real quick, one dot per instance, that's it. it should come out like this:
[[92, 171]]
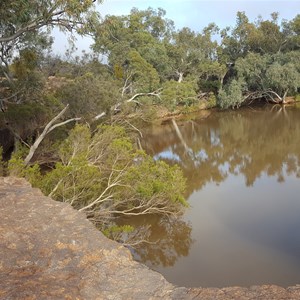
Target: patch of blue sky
[[167, 154]]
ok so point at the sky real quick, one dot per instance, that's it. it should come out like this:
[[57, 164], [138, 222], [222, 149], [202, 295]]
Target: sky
[[195, 14]]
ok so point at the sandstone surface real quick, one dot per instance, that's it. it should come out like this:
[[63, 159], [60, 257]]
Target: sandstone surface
[[50, 251]]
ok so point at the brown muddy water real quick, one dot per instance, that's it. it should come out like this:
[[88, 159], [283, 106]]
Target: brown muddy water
[[243, 176]]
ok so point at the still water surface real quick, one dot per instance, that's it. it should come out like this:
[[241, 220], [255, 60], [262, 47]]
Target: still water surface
[[243, 224]]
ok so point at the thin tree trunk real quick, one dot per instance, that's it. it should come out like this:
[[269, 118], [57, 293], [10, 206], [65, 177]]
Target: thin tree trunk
[[284, 96], [49, 127], [180, 78]]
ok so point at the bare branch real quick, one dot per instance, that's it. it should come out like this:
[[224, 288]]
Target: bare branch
[[155, 94], [141, 135], [49, 127], [100, 116], [126, 85], [63, 123]]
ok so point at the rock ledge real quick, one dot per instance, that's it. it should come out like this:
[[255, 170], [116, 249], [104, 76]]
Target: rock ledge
[[50, 251]]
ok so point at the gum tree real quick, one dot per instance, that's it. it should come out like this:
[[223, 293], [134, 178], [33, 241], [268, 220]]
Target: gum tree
[[25, 28]]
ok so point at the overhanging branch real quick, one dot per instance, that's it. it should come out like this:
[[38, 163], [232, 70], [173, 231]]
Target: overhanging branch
[[49, 127], [155, 94]]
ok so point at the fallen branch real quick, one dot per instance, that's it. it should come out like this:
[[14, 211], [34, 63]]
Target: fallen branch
[[116, 108], [49, 127], [100, 116]]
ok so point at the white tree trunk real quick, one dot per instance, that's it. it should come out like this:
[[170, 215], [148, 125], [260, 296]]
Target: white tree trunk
[[49, 127], [180, 77]]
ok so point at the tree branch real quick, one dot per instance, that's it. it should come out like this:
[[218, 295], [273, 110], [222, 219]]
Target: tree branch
[[36, 24], [155, 94], [49, 127]]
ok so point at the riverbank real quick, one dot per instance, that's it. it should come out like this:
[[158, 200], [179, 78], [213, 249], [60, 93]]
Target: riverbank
[[201, 111], [50, 251]]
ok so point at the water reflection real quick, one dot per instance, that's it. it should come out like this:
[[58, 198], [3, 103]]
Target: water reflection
[[243, 170], [245, 142], [169, 239]]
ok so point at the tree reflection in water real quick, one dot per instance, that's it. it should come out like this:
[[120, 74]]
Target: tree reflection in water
[[248, 142], [169, 239], [242, 223]]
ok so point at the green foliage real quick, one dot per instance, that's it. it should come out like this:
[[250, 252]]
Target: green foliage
[[190, 51], [178, 93], [32, 15], [89, 95], [270, 38], [232, 97], [25, 118], [28, 83], [210, 85], [265, 36], [279, 73], [144, 53], [211, 101], [76, 144], [162, 180], [157, 56], [54, 65], [282, 78], [144, 77], [140, 31], [253, 68], [210, 75], [16, 167], [25, 35], [24, 64]]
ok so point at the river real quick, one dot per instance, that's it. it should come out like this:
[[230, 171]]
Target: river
[[243, 187]]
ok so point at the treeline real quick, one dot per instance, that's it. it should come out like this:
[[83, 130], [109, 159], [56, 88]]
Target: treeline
[[141, 58], [251, 61]]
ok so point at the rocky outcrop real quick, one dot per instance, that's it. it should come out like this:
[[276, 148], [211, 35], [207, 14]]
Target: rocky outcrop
[[50, 251]]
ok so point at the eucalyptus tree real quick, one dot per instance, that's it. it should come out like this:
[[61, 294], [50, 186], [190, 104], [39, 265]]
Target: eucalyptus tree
[[269, 77], [213, 69], [262, 36], [176, 93], [234, 41], [291, 29], [190, 53], [263, 65], [144, 77], [184, 53], [141, 31], [88, 95], [25, 27], [267, 37]]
